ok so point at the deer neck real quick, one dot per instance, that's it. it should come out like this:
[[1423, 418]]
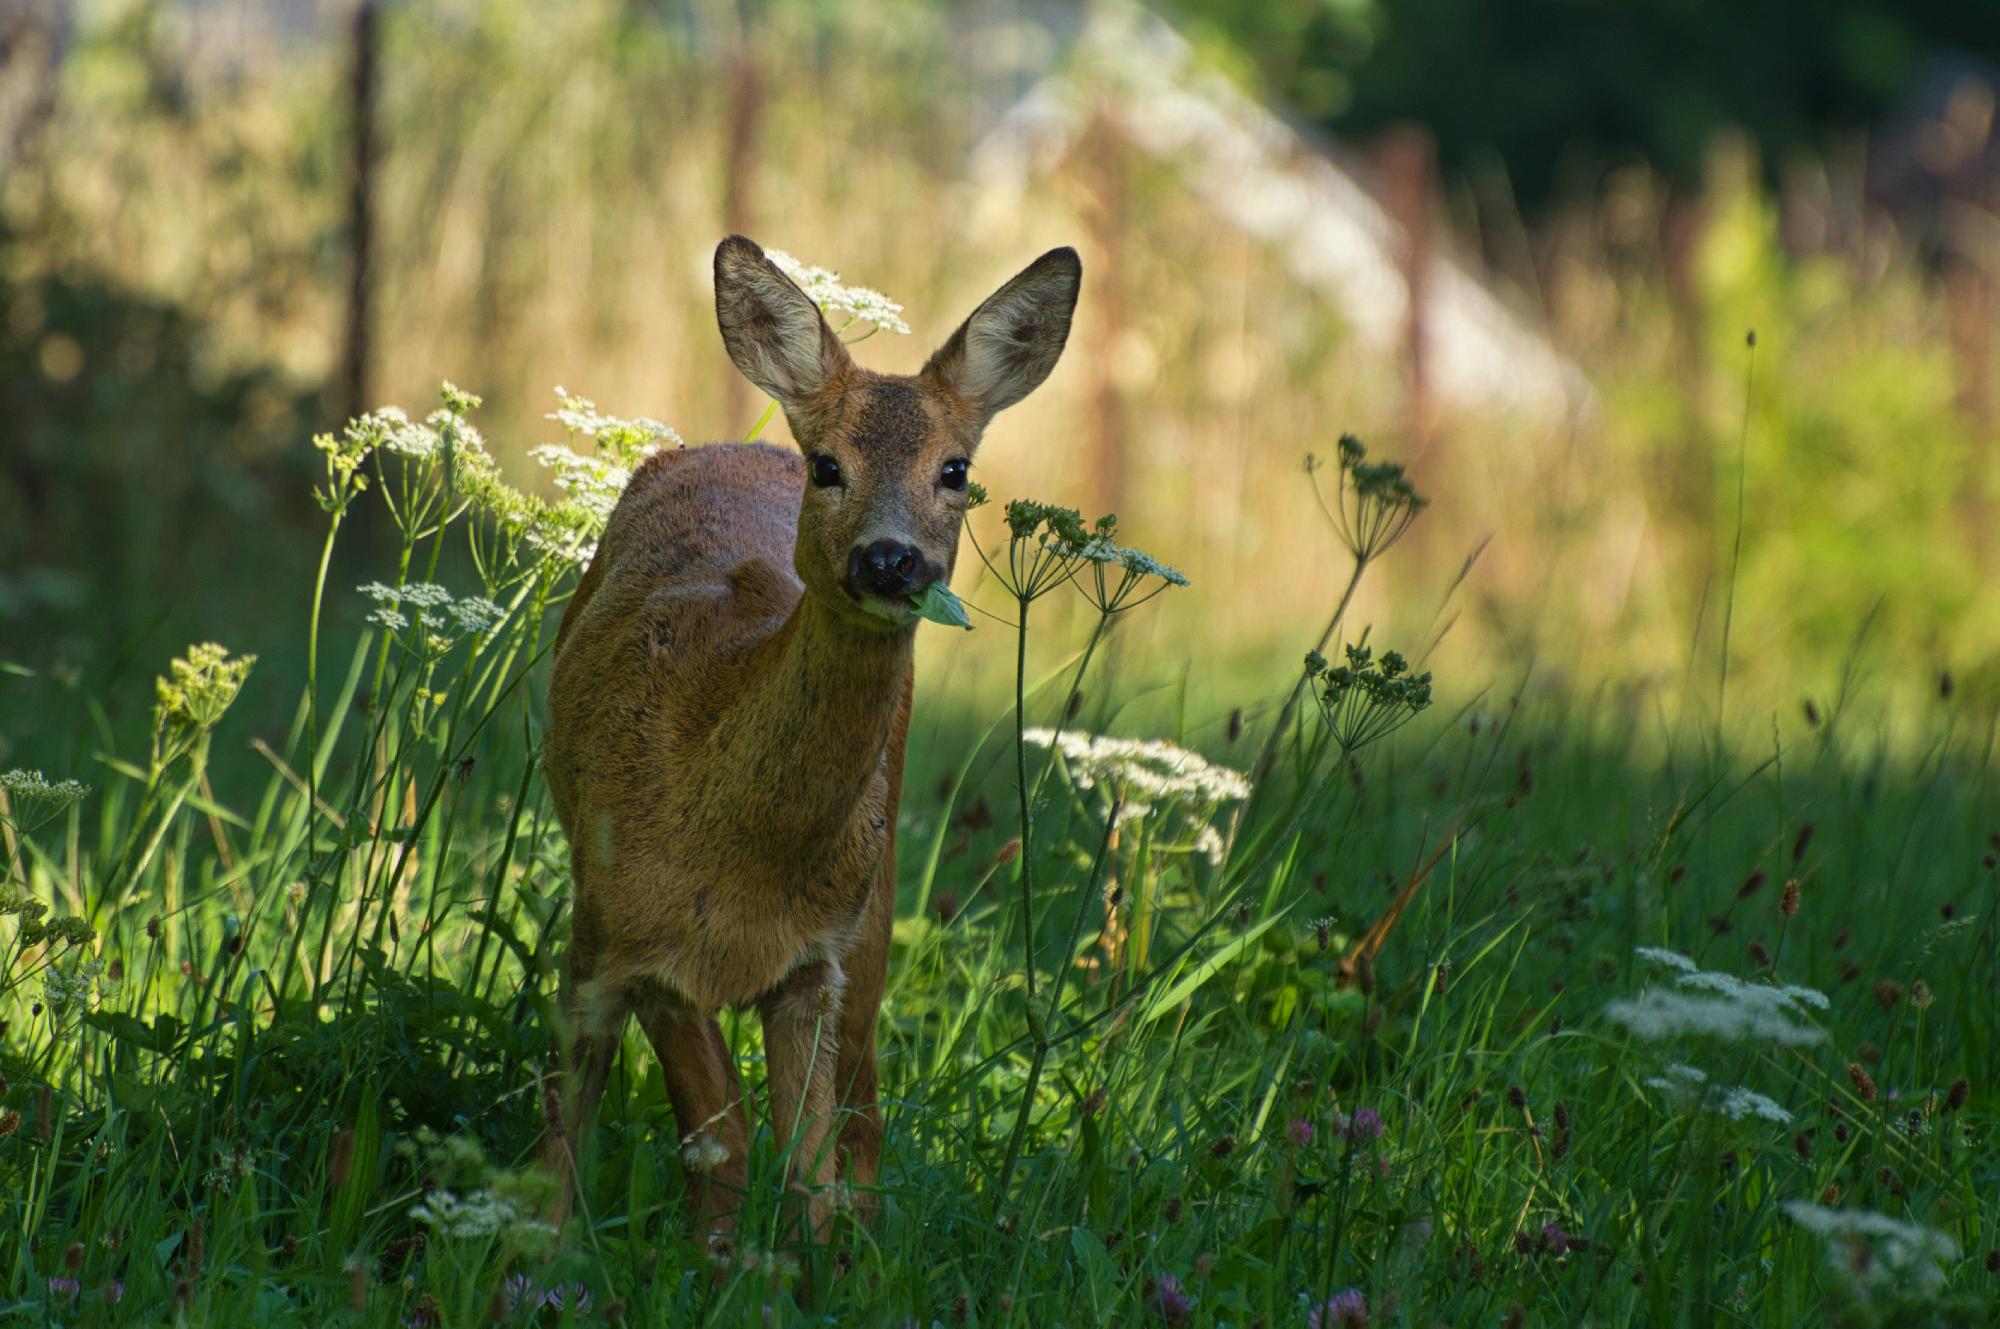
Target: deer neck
[[807, 737]]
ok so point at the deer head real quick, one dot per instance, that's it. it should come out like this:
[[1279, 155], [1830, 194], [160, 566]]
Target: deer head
[[887, 456]]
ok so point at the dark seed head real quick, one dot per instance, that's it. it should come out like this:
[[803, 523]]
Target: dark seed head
[[1751, 885], [1800, 845]]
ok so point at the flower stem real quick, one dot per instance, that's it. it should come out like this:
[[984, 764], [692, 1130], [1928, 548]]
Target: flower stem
[[1277, 734], [1021, 787]]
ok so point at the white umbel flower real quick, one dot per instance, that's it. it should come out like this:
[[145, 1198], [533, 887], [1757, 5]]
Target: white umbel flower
[[825, 289], [1149, 768], [1905, 1248], [1720, 1006]]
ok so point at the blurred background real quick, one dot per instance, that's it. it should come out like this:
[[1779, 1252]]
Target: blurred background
[[1515, 244]]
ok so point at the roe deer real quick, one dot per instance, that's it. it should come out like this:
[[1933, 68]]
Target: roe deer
[[727, 718]]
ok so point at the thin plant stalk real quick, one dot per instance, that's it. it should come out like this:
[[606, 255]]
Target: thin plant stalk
[[1039, 1021]]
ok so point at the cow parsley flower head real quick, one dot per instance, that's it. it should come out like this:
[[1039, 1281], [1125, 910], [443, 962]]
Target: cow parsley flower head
[[33, 798], [1665, 958], [1374, 504], [1117, 573], [68, 988], [433, 609], [580, 416], [825, 289], [1366, 698], [484, 1213], [1900, 1250], [594, 484], [1722, 1006], [191, 698], [1688, 1084], [475, 614], [704, 1153], [1152, 769]]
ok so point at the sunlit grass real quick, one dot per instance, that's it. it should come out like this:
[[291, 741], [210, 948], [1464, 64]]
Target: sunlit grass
[[1473, 1024]]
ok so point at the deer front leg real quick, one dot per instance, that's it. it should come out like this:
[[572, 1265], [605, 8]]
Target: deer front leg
[[589, 1046], [708, 1112], [801, 1032]]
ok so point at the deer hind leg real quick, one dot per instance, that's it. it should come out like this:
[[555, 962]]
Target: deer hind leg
[[707, 1096], [596, 1022], [801, 1018]]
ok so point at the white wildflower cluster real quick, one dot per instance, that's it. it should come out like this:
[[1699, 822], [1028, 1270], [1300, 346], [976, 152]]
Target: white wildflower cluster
[[703, 1153], [1208, 842], [1688, 1083], [825, 289], [68, 989], [1900, 1249], [579, 415], [1719, 1006], [390, 430], [232, 1165], [1148, 777], [33, 787], [438, 612], [592, 483], [1136, 562], [1147, 768], [565, 530], [481, 1214]]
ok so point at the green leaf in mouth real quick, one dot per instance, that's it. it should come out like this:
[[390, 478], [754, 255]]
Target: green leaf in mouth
[[939, 605]]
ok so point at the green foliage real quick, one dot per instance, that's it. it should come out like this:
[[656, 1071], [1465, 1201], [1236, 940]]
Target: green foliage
[[286, 1062], [1555, 90]]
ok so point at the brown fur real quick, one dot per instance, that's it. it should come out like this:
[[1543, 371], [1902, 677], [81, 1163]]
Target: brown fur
[[727, 722]]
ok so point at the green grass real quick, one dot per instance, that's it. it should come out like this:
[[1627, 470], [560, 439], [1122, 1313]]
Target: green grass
[[301, 1014]]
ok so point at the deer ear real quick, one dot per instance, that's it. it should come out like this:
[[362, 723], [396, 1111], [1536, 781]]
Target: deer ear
[[1011, 342], [774, 332]]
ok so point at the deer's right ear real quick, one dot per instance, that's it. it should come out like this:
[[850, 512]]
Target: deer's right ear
[[1012, 341], [774, 332]]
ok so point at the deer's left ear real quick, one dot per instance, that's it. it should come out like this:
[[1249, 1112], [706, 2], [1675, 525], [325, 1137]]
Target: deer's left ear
[[1012, 341]]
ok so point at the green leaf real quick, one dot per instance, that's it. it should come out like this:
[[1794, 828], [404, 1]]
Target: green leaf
[[1207, 969], [939, 605]]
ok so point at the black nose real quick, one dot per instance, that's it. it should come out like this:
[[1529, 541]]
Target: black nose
[[886, 568]]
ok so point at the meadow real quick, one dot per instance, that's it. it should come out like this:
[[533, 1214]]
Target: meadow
[[1406, 1004], [1609, 940]]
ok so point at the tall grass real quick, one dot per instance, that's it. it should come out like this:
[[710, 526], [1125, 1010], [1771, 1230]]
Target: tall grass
[[1502, 1019]]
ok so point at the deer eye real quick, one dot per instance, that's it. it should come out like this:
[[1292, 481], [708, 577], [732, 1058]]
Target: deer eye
[[953, 475], [825, 470]]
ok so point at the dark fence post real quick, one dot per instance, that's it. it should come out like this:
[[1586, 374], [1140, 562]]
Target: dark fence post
[[360, 207]]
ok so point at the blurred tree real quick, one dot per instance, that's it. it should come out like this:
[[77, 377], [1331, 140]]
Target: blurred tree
[[1560, 88]]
